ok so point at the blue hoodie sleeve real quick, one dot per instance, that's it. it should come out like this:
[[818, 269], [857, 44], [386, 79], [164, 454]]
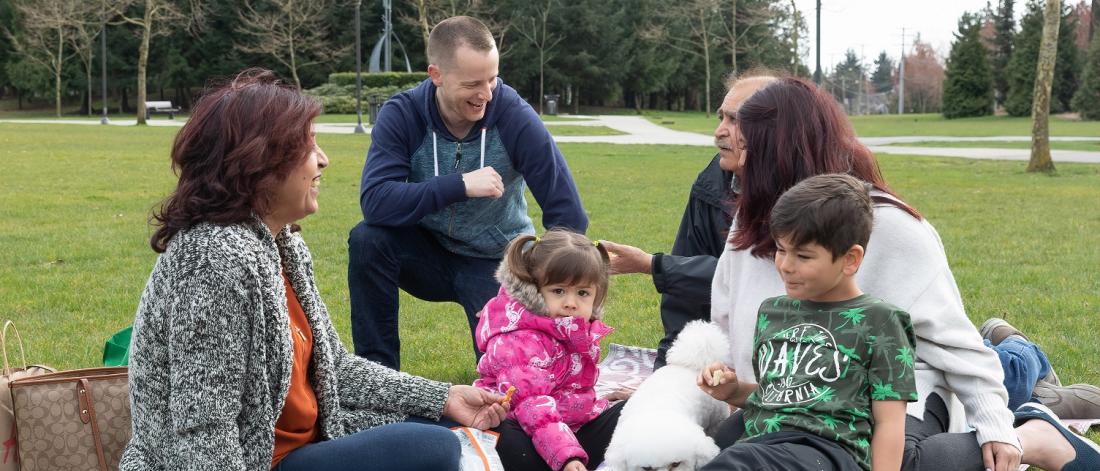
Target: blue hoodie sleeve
[[385, 195], [538, 159]]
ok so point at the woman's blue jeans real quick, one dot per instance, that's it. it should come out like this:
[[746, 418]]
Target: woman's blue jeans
[[1023, 363], [415, 445]]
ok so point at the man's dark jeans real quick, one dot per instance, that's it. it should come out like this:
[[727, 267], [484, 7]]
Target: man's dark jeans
[[383, 259]]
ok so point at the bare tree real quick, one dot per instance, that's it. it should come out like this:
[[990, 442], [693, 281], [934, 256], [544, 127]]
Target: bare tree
[[536, 32], [86, 25], [430, 12], [45, 26], [698, 17], [294, 32], [156, 19], [750, 16], [1044, 77]]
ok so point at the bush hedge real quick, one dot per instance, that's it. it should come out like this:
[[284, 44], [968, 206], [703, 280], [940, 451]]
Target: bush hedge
[[340, 99], [402, 80]]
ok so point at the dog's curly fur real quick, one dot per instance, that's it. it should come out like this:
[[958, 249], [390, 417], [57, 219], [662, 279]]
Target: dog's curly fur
[[664, 425]]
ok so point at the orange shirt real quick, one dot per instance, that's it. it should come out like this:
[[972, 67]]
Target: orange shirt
[[297, 424]]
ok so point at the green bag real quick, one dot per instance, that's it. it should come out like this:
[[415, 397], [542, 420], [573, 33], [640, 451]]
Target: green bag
[[117, 350]]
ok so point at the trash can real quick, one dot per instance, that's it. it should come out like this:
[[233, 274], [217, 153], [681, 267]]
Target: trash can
[[374, 104], [551, 104]]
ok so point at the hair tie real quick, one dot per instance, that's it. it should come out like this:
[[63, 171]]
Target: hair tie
[[538, 239], [596, 243]]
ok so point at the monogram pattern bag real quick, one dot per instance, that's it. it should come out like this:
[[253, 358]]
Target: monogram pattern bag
[[75, 420], [9, 455]]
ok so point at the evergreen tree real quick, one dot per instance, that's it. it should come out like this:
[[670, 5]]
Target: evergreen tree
[[1004, 24], [847, 80], [1021, 67], [968, 87], [1067, 69], [883, 77], [1087, 99]]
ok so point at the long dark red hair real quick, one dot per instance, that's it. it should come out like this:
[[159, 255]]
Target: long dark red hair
[[792, 130], [243, 137]]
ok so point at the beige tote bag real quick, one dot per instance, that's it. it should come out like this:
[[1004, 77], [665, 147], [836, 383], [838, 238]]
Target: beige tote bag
[[9, 454]]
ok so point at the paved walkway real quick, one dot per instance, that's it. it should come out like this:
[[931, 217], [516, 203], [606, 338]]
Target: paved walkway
[[638, 130]]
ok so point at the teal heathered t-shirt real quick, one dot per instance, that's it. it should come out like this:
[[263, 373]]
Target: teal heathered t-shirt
[[819, 366]]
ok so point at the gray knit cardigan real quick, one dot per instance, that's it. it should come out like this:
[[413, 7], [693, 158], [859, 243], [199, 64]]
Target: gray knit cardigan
[[211, 356]]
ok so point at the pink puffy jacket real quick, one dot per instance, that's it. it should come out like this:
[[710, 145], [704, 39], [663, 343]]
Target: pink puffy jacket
[[553, 365]]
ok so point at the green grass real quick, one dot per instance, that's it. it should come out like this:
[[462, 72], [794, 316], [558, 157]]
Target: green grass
[[75, 257], [567, 130], [1093, 146], [905, 125]]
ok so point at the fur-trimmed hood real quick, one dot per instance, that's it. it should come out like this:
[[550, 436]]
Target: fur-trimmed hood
[[528, 293]]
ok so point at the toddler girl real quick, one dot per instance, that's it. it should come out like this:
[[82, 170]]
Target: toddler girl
[[541, 336]]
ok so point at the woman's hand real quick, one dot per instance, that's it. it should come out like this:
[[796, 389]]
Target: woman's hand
[[628, 259], [574, 465], [718, 381], [999, 456], [474, 407]]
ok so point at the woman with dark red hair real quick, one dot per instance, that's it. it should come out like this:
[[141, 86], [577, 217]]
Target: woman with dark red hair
[[791, 130], [235, 363]]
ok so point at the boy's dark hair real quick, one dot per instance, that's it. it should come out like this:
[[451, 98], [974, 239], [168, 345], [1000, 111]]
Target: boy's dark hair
[[452, 33], [832, 210], [560, 256]]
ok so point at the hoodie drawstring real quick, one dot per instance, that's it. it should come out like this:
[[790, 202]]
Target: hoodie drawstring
[[435, 150]]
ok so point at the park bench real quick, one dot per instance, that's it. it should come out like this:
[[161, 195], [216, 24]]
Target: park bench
[[160, 107]]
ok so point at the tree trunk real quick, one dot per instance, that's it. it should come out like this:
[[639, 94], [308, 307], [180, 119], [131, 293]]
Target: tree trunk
[[425, 28], [1044, 75], [88, 80], [733, 38], [577, 100], [706, 59], [542, 62], [143, 60], [57, 72], [294, 66]]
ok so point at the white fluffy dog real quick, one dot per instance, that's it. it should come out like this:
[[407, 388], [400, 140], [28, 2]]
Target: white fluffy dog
[[664, 425]]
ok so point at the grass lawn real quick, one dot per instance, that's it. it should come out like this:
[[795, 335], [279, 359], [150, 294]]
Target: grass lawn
[[76, 256], [1093, 146], [905, 125], [567, 130]]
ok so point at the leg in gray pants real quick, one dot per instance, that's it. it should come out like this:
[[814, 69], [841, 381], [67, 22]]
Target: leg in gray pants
[[928, 446]]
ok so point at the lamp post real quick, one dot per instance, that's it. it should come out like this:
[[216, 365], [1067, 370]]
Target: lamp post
[[103, 65], [359, 129]]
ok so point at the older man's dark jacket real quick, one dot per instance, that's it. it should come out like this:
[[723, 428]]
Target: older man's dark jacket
[[683, 277]]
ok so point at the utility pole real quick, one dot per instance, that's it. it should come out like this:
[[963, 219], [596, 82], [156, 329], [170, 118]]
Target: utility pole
[[358, 74], [817, 70], [901, 76]]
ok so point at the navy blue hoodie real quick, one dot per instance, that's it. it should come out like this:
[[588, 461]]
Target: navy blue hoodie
[[413, 173]]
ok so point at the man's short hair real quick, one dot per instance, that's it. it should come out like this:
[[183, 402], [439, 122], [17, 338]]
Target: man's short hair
[[454, 32], [832, 210]]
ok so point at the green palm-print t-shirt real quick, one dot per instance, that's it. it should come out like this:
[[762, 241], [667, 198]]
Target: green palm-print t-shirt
[[819, 366]]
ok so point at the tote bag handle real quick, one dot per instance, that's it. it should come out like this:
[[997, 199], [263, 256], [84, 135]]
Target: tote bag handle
[[4, 346]]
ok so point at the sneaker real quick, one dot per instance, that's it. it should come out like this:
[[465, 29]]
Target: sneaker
[[996, 330], [1077, 401], [1088, 453]]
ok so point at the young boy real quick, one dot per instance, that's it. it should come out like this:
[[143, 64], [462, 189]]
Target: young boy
[[834, 365]]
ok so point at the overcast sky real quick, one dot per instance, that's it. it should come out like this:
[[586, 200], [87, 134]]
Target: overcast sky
[[871, 26]]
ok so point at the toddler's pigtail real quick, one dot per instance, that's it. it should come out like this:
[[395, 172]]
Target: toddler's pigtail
[[516, 258]]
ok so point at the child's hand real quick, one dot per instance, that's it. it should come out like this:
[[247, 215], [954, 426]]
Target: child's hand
[[574, 465], [718, 381]]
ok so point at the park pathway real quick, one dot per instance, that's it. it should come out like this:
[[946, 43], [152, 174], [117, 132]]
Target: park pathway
[[638, 130]]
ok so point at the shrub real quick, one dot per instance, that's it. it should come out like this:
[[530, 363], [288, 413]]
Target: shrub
[[340, 99], [401, 80]]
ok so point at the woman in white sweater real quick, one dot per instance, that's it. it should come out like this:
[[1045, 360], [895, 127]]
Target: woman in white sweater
[[790, 131]]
